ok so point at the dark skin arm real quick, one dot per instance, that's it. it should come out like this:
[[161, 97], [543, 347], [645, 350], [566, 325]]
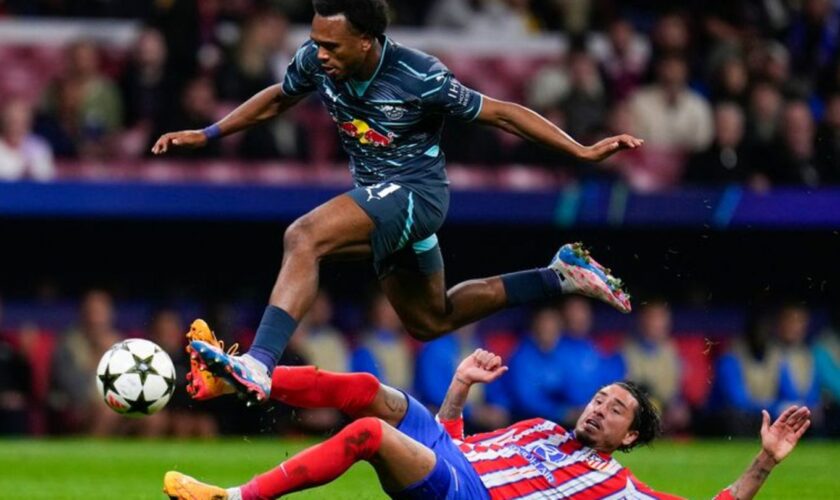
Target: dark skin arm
[[263, 106], [529, 125]]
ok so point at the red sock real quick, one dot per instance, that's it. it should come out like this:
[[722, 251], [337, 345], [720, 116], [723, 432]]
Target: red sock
[[319, 464], [309, 387]]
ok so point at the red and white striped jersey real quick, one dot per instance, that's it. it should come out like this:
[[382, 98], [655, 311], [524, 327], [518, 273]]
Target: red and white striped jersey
[[538, 459]]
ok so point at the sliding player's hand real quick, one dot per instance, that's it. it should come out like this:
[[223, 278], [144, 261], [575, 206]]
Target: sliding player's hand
[[182, 139], [480, 367], [780, 438], [605, 148]]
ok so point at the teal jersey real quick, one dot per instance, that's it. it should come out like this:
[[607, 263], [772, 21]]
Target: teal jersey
[[390, 125]]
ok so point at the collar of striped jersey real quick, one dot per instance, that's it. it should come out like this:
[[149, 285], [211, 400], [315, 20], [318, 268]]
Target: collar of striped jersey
[[358, 88]]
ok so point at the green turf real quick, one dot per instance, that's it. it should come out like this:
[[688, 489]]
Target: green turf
[[86, 469]]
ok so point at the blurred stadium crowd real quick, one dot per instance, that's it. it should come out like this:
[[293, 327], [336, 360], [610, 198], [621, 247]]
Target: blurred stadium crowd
[[722, 91], [710, 382], [733, 91]]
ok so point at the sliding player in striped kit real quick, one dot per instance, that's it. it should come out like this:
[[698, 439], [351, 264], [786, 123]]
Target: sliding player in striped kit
[[419, 457]]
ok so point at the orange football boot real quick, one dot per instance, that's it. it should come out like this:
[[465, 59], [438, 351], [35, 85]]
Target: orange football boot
[[201, 383], [179, 486]]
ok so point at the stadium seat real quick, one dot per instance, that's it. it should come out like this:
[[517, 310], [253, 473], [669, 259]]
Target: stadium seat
[[696, 352]]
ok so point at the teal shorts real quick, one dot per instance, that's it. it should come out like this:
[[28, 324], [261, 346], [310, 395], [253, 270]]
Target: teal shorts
[[405, 222]]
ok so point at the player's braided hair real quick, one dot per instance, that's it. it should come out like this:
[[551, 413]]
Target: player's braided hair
[[369, 17], [646, 420]]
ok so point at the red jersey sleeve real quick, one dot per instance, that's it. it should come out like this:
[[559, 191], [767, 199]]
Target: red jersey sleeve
[[455, 428], [647, 490], [725, 495]]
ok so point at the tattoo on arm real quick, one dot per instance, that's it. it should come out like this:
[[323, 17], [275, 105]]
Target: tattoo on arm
[[456, 398], [395, 403], [750, 481]]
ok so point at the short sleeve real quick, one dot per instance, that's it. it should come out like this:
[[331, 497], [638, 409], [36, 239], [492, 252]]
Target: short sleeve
[[299, 79], [450, 97], [650, 492]]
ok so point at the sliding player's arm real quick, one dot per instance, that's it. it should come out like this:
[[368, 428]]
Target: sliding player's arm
[[479, 367], [777, 441], [263, 106], [528, 124]]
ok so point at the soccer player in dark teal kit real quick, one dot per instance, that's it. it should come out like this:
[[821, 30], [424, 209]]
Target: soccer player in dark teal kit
[[389, 103]]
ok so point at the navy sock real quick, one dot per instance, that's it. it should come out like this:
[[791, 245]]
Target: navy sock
[[531, 286], [273, 334]]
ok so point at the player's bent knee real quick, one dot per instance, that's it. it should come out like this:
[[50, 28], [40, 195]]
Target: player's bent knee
[[299, 237], [363, 437], [427, 330]]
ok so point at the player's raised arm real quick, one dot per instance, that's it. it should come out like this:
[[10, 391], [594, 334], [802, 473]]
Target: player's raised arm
[[479, 367], [777, 441], [263, 106], [529, 125]]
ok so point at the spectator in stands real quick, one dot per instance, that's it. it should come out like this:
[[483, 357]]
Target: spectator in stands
[[668, 114], [73, 389], [763, 125], [731, 81], [384, 350], [248, 70], [23, 155], [198, 106], [99, 107], [828, 142], [322, 344], [539, 353], [500, 18], [572, 95], [748, 379], [60, 125], [410, 13], [585, 105], [260, 59], [728, 159], [436, 364], [15, 386], [588, 372], [671, 34], [793, 159], [559, 349], [652, 361], [827, 365], [798, 384], [814, 37], [180, 418], [149, 87], [318, 342], [623, 59], [728, 22]]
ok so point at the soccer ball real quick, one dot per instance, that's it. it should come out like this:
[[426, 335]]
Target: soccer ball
[[135, 378]]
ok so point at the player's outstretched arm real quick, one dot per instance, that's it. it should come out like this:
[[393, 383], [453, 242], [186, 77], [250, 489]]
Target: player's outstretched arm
[[263, 106], [479, 367], [777, 441], [529, 125]]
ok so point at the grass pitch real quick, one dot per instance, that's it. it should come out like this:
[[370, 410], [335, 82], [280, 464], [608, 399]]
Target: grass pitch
[[84, 469]]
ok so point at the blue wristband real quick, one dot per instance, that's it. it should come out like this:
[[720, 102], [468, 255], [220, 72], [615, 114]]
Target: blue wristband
[[212, 132]]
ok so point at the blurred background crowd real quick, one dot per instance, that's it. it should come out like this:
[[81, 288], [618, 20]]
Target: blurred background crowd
[[722, 91], [726, 93], [706, 380]]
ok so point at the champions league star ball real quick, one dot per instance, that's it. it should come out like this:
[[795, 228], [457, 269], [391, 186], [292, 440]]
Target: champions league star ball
[[135, 378]]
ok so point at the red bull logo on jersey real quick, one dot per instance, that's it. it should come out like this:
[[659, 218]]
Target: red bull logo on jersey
[[359, 129]]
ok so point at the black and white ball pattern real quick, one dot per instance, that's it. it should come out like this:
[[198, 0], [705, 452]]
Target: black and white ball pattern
[[135, 378]]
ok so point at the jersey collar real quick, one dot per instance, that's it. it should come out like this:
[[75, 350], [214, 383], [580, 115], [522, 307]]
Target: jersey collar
[[358, 88]]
